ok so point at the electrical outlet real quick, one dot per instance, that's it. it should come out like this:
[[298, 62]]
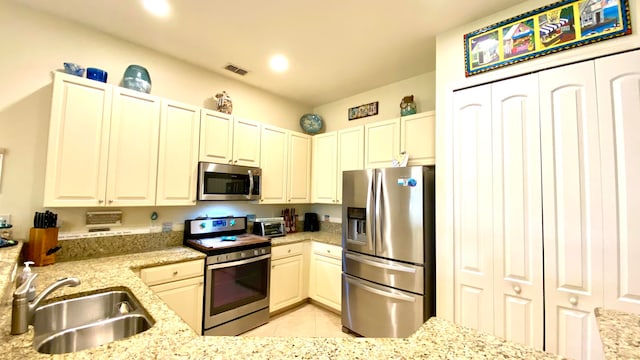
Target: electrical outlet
[[6, 217]]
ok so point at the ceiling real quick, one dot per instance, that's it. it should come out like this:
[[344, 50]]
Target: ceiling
[[336, 48]]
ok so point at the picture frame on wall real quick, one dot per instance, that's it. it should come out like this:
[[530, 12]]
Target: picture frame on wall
[[362, 111], [560, 26]]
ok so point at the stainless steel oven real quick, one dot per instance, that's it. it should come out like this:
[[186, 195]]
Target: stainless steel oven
[[237, 291], [228, 182], [237, 273]]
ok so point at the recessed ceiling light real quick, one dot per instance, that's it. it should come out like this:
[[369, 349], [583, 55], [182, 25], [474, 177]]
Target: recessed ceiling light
[[157, 7], [279, 63]]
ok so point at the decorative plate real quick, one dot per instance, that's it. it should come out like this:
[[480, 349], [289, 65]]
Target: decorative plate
[[311, 123]]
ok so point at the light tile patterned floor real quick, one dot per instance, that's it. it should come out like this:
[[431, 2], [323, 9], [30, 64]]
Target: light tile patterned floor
[[307, 320]]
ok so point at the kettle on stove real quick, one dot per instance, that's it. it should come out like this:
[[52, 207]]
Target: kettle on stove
[[311, 222]]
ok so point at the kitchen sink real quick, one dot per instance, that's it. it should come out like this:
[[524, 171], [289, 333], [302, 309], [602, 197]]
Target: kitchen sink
[[87, 321]]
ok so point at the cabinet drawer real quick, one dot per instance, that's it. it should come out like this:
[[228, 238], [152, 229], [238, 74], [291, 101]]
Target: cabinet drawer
[[281, 251], [172, 272], [323, 249]]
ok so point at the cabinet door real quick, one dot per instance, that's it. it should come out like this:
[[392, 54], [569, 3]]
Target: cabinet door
[[418, 138], [286, 282], [572, 210], [299, 190], [178, 154], [274, 155], [325, 282], [77, 153], [185, 297], [246, 142], [472, 215], [133, 149], [324, 172], [517, 212], [382, 143], [216, 137], [350, 153], [618, 81]]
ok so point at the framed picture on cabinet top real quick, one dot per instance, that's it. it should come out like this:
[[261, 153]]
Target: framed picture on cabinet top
[[363, 111], [560, 26]]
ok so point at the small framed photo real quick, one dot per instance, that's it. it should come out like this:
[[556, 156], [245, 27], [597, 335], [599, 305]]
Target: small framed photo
[[365, 110]]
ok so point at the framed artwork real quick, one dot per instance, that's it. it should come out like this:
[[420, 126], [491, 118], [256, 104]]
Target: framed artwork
[[556, 27], [363, 111]]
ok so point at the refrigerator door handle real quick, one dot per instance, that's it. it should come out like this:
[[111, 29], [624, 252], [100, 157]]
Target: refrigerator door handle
[[370, 216], [378, 223], [387, 294], [380, 265]]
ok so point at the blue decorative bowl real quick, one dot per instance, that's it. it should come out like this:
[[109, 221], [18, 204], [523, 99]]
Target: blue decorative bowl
[[137, 78], [311, 123], [73, 69]]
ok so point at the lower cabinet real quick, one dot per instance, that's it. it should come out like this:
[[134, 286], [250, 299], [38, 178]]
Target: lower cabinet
[[287, 276], [304, 270], [325, 275], [181, 287]]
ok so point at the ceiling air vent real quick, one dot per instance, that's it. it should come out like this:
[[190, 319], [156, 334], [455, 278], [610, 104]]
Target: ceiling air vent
[[235, 69]]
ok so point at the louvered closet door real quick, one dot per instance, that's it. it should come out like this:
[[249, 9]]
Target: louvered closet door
[[517, 211], [618, 81], [473, 245], [572, 210]]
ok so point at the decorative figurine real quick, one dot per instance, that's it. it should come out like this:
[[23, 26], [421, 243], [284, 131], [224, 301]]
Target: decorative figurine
[[407, 106], [224, 103]]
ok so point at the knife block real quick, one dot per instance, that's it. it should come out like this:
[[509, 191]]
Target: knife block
[[41, 241]]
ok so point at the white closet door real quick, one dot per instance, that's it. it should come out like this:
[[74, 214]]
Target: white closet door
[[618, 80], [473, 245], [517, 211], [572, 210]]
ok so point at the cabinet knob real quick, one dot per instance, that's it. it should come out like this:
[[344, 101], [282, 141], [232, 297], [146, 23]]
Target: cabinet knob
[[230, 161], [573, 300], [289, 250], [235, 161], [100, 201], [517, 289], [110, 201], [328, 251], [175, 273]]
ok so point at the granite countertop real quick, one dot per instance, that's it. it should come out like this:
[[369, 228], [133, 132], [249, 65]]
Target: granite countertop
[[620, 333], [171, 338], [320, 236]]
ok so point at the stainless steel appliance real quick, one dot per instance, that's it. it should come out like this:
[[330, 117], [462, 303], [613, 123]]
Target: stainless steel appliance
[[237, 272], [269, 227], [388, 241], [228, 182]]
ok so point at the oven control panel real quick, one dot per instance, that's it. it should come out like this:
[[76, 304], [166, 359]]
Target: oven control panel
[[217, 225], [238, 255]]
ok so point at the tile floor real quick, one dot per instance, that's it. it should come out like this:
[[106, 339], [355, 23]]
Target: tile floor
[[306, 320]]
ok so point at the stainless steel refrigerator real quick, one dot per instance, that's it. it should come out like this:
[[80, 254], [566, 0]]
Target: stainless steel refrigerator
[[388, 242]]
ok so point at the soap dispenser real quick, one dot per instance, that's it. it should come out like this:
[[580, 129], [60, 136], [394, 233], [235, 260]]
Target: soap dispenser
[[26, 272]]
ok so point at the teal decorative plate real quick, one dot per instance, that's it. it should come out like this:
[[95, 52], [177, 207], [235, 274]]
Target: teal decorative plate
[[311, 123]]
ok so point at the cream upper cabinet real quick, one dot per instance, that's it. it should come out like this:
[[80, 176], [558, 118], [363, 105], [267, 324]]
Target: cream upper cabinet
[[178, 154], [334, 153], [76, 171], [133, 149], [572, 210], [382, 143], [299, 165], [274, 157], [417, 138], [246, 142], [216, 137], [617, 78], [325, 168], [350, 154]]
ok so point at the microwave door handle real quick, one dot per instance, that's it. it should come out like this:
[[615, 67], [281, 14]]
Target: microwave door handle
[[250, 184]]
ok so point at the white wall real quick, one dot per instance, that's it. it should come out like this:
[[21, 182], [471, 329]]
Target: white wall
[[450, 76], [422, 87], [34, 44]]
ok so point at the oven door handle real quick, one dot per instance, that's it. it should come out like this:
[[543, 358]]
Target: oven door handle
[[239, 262]]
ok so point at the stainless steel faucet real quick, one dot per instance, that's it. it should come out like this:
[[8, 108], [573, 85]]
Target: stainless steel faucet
[[22, 311]]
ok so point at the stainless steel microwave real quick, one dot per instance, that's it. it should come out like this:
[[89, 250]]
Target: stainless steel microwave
[[228, 182]]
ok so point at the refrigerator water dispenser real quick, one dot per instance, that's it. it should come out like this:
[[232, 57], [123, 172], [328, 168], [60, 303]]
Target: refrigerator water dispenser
[[357, 224]]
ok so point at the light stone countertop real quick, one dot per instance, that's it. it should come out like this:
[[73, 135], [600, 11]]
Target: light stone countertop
[[620, 333], [171, 338]]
